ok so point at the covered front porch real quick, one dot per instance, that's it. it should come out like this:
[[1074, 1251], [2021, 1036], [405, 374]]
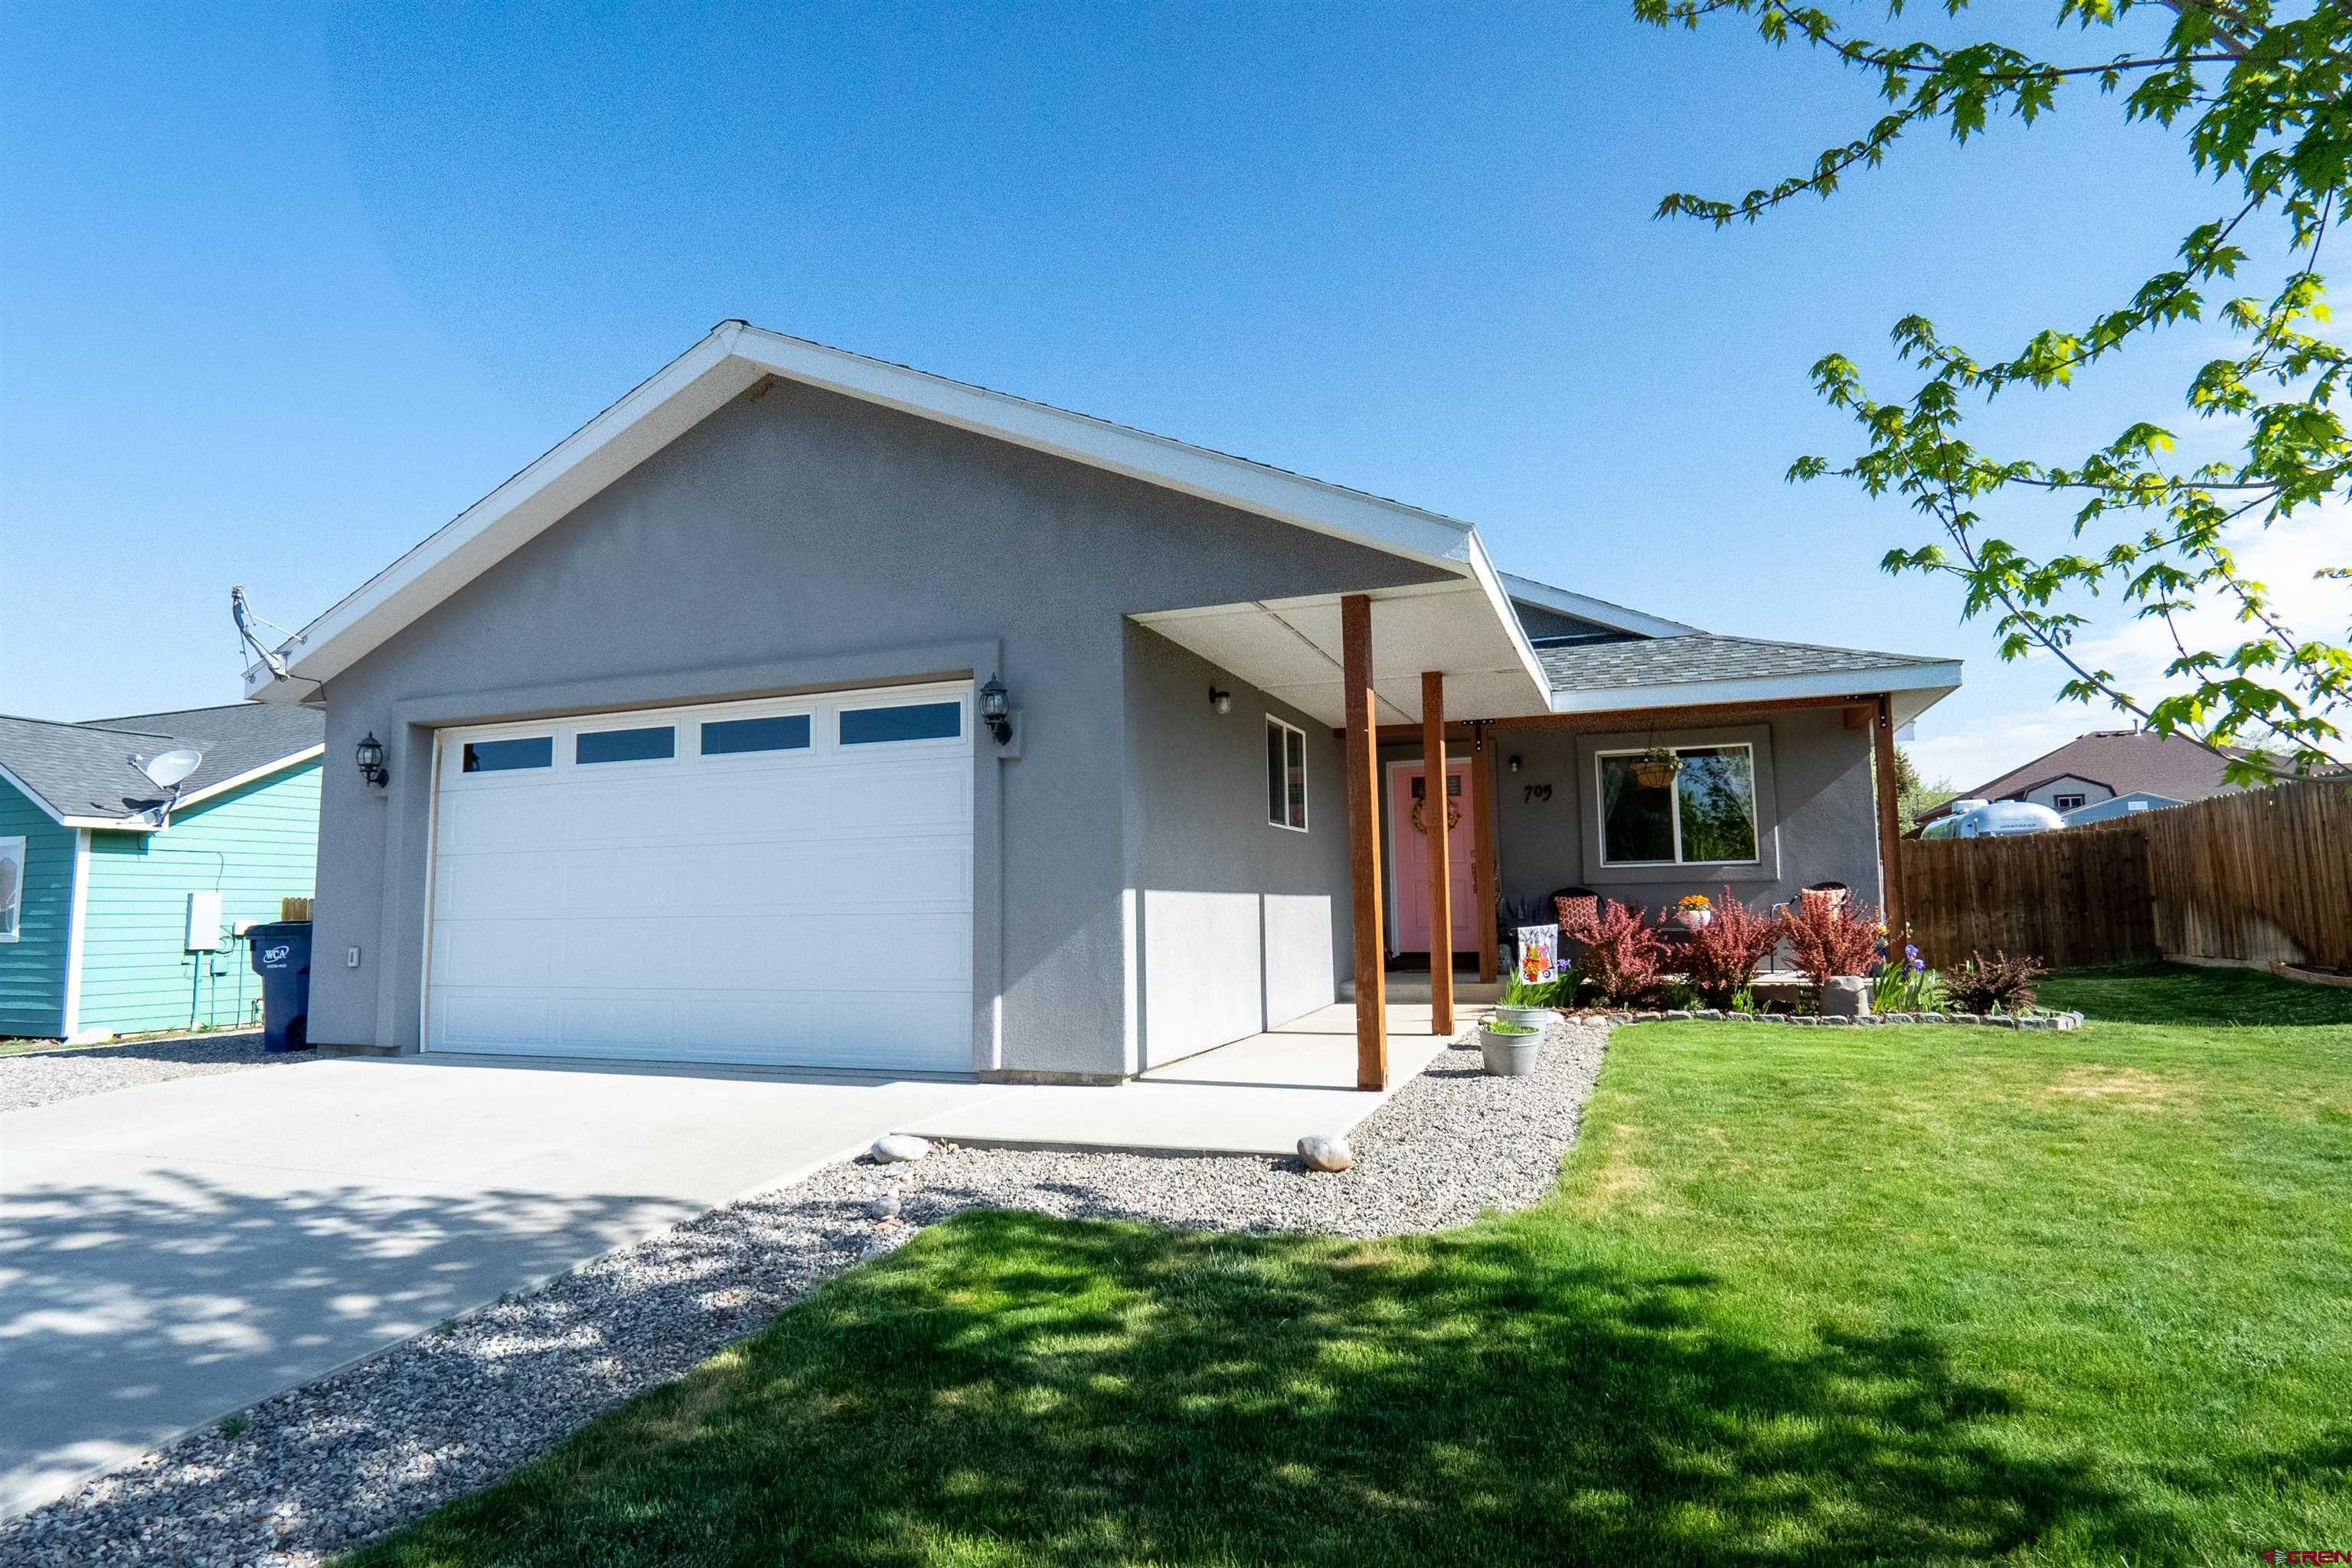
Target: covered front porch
[[1790, 780]]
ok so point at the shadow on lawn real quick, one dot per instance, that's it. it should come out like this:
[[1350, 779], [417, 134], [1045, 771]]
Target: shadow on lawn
[[1016, 1389]]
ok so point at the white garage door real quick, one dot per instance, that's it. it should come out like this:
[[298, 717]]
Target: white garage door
[[778, 883]]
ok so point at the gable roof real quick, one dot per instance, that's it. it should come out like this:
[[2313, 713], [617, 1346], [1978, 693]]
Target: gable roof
[[82, 774], [733, 357], [1584, 608], [1699, 668], [1472, 630], [2126, 761]]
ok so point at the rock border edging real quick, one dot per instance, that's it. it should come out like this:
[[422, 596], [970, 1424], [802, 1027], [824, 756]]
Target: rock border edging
[[1719, 1016]]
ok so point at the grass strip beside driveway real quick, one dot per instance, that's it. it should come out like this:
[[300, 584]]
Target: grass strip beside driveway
[[1906, 1295]]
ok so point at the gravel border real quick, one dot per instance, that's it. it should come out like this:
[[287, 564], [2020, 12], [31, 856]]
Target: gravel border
[[316, 1469], [28, 1078]]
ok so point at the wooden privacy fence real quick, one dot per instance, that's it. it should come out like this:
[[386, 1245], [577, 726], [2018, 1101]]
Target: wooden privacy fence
[[2260, 876]]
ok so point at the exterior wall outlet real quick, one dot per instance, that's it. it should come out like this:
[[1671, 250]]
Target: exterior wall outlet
[[351, 958]]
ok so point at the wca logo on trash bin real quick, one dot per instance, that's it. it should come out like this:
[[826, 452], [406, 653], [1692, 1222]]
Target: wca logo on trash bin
[[275, 955]]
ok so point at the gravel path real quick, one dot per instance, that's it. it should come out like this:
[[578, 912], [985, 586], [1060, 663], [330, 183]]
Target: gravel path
[[318, 1468], [43, 1078]]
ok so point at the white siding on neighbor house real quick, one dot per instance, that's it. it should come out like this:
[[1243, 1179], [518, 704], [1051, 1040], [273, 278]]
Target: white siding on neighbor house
[[2047, 794]]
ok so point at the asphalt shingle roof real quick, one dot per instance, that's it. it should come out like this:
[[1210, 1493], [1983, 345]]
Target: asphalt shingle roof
[[1704, 656], [2124, 760], [85, 769]]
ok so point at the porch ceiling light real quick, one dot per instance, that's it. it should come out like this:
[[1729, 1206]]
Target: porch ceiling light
[[995, 711], [369, 754]]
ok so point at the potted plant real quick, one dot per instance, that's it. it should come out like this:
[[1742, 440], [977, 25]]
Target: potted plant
[[1524, 1004], [1696, 911], [1509, 1048], [1657, 767]]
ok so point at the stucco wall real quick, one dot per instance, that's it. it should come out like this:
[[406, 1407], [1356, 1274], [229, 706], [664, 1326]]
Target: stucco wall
[[1239, 925], [792, 533], [1824, 818]]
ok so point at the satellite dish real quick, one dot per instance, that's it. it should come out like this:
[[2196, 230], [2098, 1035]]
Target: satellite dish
[[169, 769]]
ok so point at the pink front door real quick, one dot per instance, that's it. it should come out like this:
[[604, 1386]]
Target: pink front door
[[1409, 857]]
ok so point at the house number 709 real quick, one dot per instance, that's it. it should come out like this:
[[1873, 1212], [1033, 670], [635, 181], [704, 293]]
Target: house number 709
[[1531, 794]]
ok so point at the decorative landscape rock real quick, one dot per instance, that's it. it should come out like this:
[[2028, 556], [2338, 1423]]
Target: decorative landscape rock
[[1845, 996], [900, 1148], [1866, 1020], [886, 1206], [1326, 1151]]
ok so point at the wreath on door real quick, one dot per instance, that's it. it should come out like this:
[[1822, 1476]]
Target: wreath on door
[[1452, 817]]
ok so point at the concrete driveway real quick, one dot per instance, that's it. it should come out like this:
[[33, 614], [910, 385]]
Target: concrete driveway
[[173, 1252]]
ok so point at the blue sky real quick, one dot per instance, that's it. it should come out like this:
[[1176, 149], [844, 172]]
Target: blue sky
[[281, 291]]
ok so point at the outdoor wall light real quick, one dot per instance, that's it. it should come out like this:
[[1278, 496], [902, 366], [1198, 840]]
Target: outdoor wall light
[[993, 712], [369, 754], [1223, 701], [1515, 761]]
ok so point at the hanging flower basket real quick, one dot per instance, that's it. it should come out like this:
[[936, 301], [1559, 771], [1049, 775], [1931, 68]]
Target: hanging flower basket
[[1656, 768]]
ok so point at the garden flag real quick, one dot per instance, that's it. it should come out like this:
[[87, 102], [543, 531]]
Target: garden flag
[[1538, 955]]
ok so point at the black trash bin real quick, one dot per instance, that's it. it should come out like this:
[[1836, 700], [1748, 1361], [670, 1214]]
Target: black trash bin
[[281, 956]]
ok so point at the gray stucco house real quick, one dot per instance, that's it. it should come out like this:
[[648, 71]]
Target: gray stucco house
[[690, 751]]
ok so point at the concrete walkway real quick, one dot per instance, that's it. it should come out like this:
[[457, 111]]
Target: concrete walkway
[[173, 1252], [1256, 1096]]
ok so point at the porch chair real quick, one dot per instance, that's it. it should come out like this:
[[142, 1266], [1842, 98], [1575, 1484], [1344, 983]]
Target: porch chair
[[1574, 906]]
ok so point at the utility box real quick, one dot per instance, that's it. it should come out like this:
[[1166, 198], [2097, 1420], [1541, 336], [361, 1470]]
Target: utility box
[[204, 922]]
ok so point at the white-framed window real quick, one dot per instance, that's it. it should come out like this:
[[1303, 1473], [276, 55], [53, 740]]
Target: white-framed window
[[12, 888], [1701, 813], [2068, 801], [1286, 775]]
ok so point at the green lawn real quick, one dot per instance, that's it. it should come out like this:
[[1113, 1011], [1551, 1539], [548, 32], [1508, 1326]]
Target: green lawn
[[1906, 1296]]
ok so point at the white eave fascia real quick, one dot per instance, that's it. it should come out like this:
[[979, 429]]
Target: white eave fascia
[[733, 357], [29, 792], [1600, 612], [1499, 599], [135, 822], [238, 781], [1940, 679]]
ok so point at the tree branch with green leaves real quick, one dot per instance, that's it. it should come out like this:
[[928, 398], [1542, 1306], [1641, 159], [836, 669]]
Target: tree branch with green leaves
[[2259, 95]]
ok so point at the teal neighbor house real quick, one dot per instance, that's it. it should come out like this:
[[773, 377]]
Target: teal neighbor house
[[121, 916]]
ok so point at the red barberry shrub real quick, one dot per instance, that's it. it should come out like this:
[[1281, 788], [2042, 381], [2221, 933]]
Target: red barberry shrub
[[1831, 936], [1621, 955], [1724, 956]]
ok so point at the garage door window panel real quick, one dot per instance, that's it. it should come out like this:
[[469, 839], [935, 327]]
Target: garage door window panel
[[741, 737], [653, 743], [901, 721], [507, 756]]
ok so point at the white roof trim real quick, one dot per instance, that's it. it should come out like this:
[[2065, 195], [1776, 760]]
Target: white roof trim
[[1940, 679], [246, 777], [1584, 608], [733, 357], [131, 823], [51, 812]]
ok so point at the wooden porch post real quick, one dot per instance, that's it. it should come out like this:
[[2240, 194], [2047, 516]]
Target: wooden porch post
[[1364, 841], [1482, 834], [1436, 804], [1890, 823]]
